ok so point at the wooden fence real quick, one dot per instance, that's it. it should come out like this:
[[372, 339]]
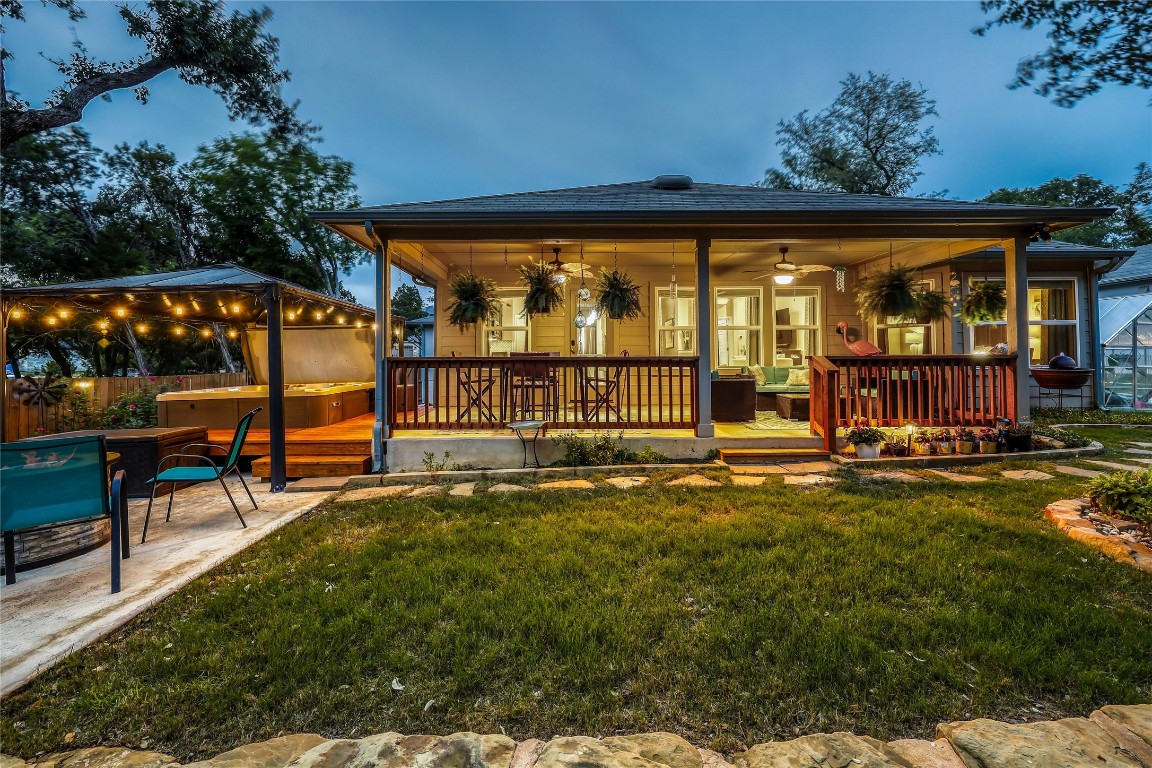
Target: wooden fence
[[22, 421], [894, 390], [568, 392]]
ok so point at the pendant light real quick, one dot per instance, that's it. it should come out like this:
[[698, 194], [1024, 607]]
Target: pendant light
[[673, 287]]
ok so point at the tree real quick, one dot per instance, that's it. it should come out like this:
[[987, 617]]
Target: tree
[[869, 141], [1130, 226], [231, 54], [408, 303], [1093, 43], [256, 191]]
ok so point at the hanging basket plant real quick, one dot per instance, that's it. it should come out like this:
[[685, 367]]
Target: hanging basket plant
[[617, 295], [887, 294], [474, 300], [544, 290], [986, 302], [930, 307]]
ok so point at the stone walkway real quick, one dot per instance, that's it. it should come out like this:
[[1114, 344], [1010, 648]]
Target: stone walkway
[[52, 611], [1111, 737]]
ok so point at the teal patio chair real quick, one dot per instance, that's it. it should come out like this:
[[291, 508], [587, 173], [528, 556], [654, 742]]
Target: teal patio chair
[[60, 481], [203, 474]]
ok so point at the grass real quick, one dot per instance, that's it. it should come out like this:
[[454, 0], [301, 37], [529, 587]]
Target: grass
[[729, 615]]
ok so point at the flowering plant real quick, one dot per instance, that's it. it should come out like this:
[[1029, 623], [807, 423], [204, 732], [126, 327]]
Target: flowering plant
[[965, 435], [988, 435], [942, 436], [922, 437], [863, 433]]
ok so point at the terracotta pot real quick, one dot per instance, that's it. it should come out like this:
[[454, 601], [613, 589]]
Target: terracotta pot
[[987, 446], [868, 451], [965, 446]]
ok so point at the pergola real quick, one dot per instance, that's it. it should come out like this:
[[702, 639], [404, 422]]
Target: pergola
[[219, 293]]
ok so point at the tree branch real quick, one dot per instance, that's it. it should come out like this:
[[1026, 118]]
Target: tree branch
[[20, 123]]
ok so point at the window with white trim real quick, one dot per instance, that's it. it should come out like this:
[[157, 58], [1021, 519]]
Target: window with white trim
[[899, 336], [675, 322], [510, 331], [1052, 321], [796, 324], [739, 320]]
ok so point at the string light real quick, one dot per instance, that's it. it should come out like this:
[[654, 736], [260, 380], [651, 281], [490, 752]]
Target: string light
[[206, 332], [120, 312], [291, 315], [64, 313], [341, 319], [179, 311], [102, 325], [235, 309], [318, 315], [233, 333], [142, 329], [178, 330], [51, 320], [17, 314]]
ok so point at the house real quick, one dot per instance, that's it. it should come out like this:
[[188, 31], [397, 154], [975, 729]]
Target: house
[[733, 280]]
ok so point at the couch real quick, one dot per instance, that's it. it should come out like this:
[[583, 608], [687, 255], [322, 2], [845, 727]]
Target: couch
[[771, 381]]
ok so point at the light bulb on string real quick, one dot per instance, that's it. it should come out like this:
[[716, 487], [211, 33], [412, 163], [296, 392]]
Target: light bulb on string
[[64, 313], [17, 314], [232, 333], [206, 332], [291, 316], [51, 320], [120, 312], [178, 330], [178, 311], [142, 329]]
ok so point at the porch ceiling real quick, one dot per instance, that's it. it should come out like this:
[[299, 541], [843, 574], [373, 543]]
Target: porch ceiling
[[449, 255]]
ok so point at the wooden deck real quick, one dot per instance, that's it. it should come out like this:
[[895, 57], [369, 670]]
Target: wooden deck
[[339, 449]]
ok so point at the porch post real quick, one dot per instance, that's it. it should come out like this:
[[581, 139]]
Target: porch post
[[383, 348], [704, 427], [277, 450], [1016, 278]]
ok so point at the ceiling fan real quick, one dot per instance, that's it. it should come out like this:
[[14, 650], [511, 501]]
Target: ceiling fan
[[784, 272], [564, 270]]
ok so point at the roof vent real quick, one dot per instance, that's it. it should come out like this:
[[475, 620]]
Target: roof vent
[[672, 181]]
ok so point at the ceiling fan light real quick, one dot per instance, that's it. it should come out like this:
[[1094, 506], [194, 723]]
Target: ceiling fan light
[[783, 279]]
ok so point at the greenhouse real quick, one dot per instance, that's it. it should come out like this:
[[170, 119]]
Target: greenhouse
[[1126, 334]]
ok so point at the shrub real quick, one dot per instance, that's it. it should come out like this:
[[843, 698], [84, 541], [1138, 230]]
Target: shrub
[[1070, 439], [650, 455], [133, 410], [1123, 493], [1093, 416], [599, 451]]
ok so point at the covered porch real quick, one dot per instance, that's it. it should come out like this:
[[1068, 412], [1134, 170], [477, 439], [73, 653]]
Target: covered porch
[[725, 338]]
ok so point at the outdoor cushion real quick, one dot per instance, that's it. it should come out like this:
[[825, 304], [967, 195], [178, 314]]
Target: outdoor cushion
[[797, 377], [186, 475], [758, 375]]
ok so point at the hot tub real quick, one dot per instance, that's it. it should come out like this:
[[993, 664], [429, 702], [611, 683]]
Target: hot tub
[[305, 405]]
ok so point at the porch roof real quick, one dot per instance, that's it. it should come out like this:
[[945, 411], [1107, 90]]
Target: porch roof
[[651, 209]]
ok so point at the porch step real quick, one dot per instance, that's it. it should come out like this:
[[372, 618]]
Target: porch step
[[770, 455], [258, 445], [317, 466]]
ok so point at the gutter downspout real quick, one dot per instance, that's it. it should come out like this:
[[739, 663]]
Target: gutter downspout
[[1094, 274], [383, 346]]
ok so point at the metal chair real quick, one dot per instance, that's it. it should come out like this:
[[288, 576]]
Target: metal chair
[[202, 474], [60, 481]]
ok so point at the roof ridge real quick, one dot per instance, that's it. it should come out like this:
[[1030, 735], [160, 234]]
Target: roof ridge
[[472, 198]]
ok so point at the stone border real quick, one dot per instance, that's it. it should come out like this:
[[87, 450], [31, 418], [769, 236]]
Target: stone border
[[476, 475], [968, 459], [1119, 736], [1068, 516]]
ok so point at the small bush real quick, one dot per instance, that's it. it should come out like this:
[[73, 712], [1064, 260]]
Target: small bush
[[133, 410], [1070, 439], [1123, 493], [600, 451], [650, 455]]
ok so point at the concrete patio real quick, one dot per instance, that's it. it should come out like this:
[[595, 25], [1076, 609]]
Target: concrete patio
[[52, 611]]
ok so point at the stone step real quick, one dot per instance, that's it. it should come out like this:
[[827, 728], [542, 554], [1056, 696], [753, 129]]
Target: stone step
[[316, 466], [771, 455]]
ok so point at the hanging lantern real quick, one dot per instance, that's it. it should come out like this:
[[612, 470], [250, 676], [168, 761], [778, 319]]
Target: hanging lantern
[[580, 320]]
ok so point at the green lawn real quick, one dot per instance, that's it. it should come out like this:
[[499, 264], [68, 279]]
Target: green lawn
[[728, 615]]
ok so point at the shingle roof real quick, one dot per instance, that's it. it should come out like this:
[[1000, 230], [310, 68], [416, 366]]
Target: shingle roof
[[1060, 248], [1137, 267], [213, 276], [642, 196]]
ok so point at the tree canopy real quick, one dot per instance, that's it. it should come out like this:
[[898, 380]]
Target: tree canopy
[[408, 303], [870, 140], [1130, 226], [231, 54], [1092, 44]]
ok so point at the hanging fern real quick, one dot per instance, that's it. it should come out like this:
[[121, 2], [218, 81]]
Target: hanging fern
[[544, 290], [986, 302], [474, 300], [887, 294], [617, 295], [931, 306]]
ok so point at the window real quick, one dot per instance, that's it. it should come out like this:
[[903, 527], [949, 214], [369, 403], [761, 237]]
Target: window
[[898, 336], [510, 333], [738, 323], [796, 316], [1052, 321], [676, 322]]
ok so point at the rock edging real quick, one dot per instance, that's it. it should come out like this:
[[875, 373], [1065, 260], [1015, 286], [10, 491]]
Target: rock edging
[[1112, 737], [1072, 517]]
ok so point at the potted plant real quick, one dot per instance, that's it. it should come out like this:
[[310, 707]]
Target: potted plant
[[866, 439], [617, 295], [887, 294], [965, 440], [942, 441], [985, 303], [545, 294], [922, 444], [988, 439], [1018, 437], [473, 300], [930, 307]]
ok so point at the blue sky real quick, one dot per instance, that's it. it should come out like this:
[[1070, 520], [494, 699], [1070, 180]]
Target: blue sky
[[440, 100]]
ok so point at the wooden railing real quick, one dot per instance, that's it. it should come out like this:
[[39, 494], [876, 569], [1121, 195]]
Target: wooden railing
[[894, 390], [567, 392]]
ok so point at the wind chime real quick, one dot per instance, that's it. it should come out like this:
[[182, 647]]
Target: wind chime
[[583, 294], [673, 287], [840, 272]]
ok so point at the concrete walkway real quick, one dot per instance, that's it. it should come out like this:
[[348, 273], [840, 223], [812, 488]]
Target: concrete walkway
[[54, 610]]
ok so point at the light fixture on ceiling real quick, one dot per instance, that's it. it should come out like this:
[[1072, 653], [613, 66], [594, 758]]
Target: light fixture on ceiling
[[558, 273], [783, 279]]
